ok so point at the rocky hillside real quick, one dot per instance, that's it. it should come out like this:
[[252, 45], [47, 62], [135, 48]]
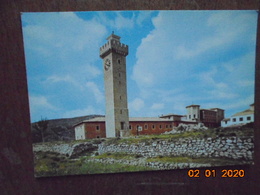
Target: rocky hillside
[[59, 129]]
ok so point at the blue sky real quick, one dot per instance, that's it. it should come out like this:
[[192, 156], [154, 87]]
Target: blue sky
[[176, 58]]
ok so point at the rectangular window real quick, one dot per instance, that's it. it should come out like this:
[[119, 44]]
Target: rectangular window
[[248, 118], [170, 126], [97, 127], [122, 125], [130, 126], [160, 126], [145, 127], [241, 119], [153, 126], [234, 119], [166, 126]]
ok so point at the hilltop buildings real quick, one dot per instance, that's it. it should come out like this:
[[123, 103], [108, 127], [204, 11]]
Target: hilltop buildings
[[246, 116], [96, 127], [117, 122]]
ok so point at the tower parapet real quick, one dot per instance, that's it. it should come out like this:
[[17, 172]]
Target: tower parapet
[[114, 45]]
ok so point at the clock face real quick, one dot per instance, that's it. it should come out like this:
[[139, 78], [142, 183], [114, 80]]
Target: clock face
[[107, 64]]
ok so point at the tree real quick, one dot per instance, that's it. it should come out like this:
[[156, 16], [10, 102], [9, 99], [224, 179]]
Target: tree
[[41, 126]]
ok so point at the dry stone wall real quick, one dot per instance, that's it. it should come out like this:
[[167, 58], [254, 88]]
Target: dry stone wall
[[227, 147]]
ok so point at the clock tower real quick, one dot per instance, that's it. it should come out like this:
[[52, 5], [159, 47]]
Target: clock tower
[[114, 55]]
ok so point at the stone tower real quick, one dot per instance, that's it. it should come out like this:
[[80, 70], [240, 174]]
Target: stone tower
[[114, 55]]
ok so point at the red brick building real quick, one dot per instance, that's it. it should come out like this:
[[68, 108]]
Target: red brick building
[[96, 128]]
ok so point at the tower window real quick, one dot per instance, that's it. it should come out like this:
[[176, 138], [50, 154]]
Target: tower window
[[119, 74], [119, 61], [145, 127], [97, 127], [122, 125]]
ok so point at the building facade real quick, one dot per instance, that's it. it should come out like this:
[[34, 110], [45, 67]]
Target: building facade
[[246, 116], [114, 55], [209, 117], [96, 128]]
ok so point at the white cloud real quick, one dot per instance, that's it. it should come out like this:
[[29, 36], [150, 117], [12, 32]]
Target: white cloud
[[92, 70], [240, 103], [142, 16], [95, 90], [81, 112], [119, 22], [40, 102], [157, 106], [56, 32], [123, 22], [56, 79], [136, 105]]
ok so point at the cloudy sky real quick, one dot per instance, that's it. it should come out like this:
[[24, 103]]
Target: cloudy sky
[[176, 58]]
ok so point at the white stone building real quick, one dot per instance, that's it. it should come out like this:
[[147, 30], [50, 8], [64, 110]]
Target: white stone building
[[243, 117]]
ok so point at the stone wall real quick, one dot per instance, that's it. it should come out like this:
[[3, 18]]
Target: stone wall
[[227, 147], [67, 149]]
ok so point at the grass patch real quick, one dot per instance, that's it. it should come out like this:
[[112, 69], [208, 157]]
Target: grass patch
[[117, 156], [95, 167], [53, 165], [211, 161]]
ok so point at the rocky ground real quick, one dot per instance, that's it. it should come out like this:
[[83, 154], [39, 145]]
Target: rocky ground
[[234, 146]]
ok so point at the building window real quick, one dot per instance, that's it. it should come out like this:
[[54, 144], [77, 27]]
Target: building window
[[122, 125], [194, 116], [130, 126], [241, 119], [234, 119], [97, 127], [153, 126], [120, 97], [118, 61], [189, 116], [98, 136], [170, 126], [119, 74], [160, 126], [145, 127], [166, 126], [248, 118]]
